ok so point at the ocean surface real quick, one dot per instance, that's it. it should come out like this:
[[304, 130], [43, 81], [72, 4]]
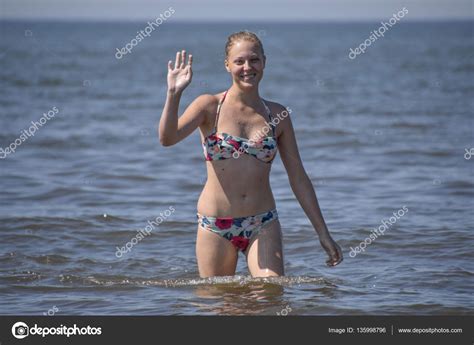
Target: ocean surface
[[392, 128]]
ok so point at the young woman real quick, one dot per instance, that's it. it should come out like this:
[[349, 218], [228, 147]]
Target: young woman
[[240, 134]]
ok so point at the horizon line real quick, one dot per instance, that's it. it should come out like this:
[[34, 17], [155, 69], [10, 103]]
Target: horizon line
[[223, 21]]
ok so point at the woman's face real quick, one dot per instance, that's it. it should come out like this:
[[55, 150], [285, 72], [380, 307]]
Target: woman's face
[[245, 63]]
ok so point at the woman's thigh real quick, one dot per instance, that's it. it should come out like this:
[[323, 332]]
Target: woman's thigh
[[216, 256], [265, 252]]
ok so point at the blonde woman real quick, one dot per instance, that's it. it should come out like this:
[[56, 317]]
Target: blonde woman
[[240, 135]]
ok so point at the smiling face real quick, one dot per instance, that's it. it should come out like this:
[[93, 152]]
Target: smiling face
[[245, 62]]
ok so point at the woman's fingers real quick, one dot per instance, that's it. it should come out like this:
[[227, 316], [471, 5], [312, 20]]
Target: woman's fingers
[[333, 262], [183, 58], [178, 58], [334, 252], [180, 62], [335, 257]]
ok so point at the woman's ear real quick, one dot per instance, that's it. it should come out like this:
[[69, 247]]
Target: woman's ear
[[226, 64], [264, 60]]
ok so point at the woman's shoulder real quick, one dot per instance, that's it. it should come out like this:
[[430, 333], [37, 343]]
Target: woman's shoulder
[[208, 103], [205, 104], [206, 99], [278, 109]]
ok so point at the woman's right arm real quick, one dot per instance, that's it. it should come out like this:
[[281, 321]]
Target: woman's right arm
[[168, 128], [172, 130]]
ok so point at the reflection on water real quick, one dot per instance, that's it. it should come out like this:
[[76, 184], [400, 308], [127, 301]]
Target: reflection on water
[[244, 295], [228, 295], [253, 298]]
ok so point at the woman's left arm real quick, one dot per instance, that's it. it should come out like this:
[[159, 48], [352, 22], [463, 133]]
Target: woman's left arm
[[303, 188]]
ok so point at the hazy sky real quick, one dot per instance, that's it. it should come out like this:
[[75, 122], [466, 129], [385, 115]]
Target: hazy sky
[[236, 10]]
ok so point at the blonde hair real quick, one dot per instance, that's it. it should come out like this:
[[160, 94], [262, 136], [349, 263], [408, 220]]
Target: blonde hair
[[242, 36]]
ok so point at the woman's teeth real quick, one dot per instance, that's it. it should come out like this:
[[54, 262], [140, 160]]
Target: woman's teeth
[[248, 76]]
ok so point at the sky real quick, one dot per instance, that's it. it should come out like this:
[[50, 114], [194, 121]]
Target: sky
[[236, 10]]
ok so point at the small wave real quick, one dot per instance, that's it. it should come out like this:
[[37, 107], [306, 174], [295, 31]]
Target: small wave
[[49, 259], [431, 153], [439, 153], [22, 276], [7, 103], [445, 273], [243, 280], [129, 177], [464, 68], [63, 144], [118, 96], [27, 227], [459, 184], [410, 125], [462, 192], [231, 281], [332, 131], [19, 82], [109, 218], [50, 82], [343, 143], [57, 192]]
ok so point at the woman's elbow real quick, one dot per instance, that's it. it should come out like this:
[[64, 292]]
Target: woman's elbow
[[164, 140], [164, 143]]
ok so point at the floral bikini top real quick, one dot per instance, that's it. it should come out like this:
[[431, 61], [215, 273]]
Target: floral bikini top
[[218, 146]]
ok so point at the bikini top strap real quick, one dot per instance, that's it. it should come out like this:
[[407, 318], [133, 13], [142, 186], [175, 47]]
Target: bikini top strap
[[219, 110], [272, 125]]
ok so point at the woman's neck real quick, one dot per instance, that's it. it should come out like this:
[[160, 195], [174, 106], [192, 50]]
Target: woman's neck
[[249, 97]]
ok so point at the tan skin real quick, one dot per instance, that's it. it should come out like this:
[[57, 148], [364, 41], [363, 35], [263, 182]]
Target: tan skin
[[240, 187]]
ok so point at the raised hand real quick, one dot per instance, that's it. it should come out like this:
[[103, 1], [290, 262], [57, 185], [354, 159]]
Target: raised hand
[[180, 76]]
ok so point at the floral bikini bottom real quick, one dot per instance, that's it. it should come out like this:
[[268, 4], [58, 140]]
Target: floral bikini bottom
[[238, 231]]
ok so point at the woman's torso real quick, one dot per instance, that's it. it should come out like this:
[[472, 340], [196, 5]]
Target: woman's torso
[[236, 187]]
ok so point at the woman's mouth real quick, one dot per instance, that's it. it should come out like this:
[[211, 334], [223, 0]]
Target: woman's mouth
[[248, 76]]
